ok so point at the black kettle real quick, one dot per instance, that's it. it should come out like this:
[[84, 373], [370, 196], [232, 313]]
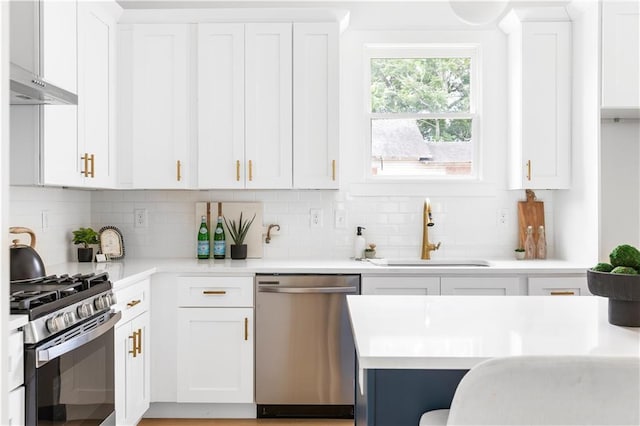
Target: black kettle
[[26, 263]]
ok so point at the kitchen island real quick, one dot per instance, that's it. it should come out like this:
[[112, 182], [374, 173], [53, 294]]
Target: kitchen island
[[413, 350]]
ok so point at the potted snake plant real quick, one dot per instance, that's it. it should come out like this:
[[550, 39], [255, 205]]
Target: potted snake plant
[[238, 231]]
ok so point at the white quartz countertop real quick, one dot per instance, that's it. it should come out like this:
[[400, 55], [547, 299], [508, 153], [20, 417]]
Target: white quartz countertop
[[457, 332], [132, 269]]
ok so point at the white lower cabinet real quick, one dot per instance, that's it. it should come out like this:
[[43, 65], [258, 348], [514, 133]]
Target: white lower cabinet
[[482, 286], [558, 286], [132, 354], [215, 355], [16, 407], [420, 285], [15, 351], [215, 339]]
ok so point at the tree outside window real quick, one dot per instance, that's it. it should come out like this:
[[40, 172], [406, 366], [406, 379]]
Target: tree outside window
[[422, 114]]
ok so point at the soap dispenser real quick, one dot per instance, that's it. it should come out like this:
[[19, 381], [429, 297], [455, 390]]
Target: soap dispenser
[[359, 244]]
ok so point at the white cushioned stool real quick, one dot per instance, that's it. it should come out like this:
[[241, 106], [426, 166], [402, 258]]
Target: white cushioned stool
[[546, 390]]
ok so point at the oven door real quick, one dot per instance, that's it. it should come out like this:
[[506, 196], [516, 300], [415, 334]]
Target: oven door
[[69, 379]]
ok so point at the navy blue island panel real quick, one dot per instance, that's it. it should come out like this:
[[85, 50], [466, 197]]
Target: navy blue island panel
[[398, 397]]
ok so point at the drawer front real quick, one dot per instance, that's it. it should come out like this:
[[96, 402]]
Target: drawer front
[[215, 291], [16, 407], [16, 359], [482, 286], [429, 286], [133, 300], [558, 286]]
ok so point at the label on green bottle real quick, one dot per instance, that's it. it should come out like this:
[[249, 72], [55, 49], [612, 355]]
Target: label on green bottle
[[203, 248], [219, 248]]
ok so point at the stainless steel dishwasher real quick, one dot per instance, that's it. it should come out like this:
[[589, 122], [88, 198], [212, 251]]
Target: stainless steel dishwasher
[[305, 356]]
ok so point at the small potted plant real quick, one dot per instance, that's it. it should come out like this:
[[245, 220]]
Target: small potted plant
[[85, 236], [238, 232], [519, 253], [370, 252]]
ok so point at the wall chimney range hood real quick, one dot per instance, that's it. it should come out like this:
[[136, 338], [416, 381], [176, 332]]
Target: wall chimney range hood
[[28, 88]]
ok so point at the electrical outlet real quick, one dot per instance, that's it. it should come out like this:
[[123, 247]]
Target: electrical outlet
[[140, 218], [315, 218], [502, 217], [45, 220], [340, 219]]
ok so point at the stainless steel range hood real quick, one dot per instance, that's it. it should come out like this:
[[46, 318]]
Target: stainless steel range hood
[[29, 89]]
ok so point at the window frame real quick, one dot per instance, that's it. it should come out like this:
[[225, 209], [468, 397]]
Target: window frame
[[425, 50]]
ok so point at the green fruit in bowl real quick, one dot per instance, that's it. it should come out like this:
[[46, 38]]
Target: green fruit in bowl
[[624, 270], [625, 255], [602, 267]]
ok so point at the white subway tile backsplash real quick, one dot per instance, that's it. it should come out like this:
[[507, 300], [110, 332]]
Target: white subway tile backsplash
[[466, 226]]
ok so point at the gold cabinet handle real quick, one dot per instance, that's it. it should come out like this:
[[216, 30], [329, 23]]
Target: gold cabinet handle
[[133, 303], [246, 328], [529, 170], [333, 169], [214, 292], [250, 170], [133, 337], [238, 170], [92, 158], [178, 171], [563, 293], [85, 158], [139, 348]]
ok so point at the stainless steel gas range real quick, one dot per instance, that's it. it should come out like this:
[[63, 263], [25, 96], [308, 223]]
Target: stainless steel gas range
[[69, 352]]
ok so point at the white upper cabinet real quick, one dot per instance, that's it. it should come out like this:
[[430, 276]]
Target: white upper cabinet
[[58, 40], [44, 138], [621, 58], [539, 62], [315, 105], [160, 106], [96, 93], [221, 161], [268, 110], [244, 106]]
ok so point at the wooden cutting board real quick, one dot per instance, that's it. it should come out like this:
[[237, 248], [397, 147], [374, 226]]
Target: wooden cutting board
[[232, 210], [530, 212]]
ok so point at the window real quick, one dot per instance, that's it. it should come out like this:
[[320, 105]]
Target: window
[[422, 116]]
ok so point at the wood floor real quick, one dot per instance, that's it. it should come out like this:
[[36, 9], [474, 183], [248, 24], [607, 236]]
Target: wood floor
[[245, 422]]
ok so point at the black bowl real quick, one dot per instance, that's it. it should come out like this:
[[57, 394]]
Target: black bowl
[[623, 292]]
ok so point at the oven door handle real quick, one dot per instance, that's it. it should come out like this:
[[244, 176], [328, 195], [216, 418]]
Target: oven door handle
[[303, 290], [46, 355]]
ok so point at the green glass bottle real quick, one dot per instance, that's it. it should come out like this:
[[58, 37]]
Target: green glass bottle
[[204, 248], [219, 241]]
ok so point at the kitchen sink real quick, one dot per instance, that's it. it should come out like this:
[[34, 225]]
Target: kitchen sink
[[429, 263]]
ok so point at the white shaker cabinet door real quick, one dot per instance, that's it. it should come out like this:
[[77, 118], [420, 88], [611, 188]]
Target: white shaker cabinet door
[[621, 55], [315, 105], [221, 161], [94, 96], [160, 121], [58, 40], [539, 84], [215, 355], [268, 111], [132, 366]]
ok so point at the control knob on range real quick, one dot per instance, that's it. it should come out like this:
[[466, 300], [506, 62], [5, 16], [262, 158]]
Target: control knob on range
[[85, 310], [55, 324], [101, 302], [69, 318]]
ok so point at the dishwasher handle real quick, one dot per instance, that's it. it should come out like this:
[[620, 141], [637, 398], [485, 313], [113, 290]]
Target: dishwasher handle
[[308, 290]]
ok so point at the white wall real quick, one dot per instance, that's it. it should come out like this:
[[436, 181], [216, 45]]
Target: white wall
[[620, 184], [67, 209], [576, 210]]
